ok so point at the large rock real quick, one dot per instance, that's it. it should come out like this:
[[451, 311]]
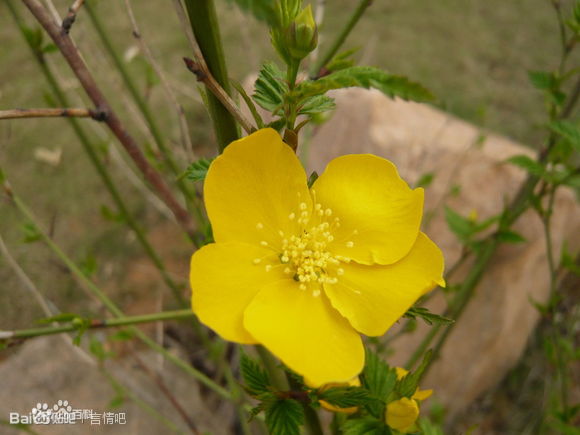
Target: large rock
[[492, 333]]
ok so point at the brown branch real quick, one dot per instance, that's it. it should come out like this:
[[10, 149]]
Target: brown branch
[[203, 75], [71, 15], [51, 113], [76, 63]]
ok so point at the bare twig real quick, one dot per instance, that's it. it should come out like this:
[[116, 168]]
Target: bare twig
[[203, 75], [71, 15], [72, 56], [51, 113]]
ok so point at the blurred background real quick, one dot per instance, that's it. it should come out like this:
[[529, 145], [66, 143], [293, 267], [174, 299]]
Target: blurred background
[[473, 54]]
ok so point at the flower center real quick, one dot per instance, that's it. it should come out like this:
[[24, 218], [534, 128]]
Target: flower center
[[306, 257]]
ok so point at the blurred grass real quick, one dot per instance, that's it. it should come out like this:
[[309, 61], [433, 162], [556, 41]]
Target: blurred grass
[[473, 54]]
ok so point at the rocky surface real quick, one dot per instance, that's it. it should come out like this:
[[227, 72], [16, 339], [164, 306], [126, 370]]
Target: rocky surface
[[470, 175]]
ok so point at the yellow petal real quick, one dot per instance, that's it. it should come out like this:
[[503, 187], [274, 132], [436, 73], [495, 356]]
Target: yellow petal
[[305, 332], [372, 298], [379, 214], [401, 372], [253, 188], [421, 395], [402, 414], [224, 279]]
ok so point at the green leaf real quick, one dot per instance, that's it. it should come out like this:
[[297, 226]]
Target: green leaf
[[461, 226], [284, 417], [316, 104], [542, 80], [31, 233], [427, 316], [263, 10], [270, 88], [509, 236], [34, 37], [110, 215], [88, 266], [408, 385], [122, 335], [364, 77], [198, 170], [346, 397], [49, 48], [365, 426], [256, 379], [568, 131], [529, 164], [425, 180], [342, 61], [379, 379]]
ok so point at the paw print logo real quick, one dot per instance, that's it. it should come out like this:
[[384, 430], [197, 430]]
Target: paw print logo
[[62, 406], [41, 413]]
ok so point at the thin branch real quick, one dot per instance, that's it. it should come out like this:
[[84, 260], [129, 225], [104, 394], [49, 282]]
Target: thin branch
[[51, 113], [72, 56], [71, 15], [203, 75], [97, 324]]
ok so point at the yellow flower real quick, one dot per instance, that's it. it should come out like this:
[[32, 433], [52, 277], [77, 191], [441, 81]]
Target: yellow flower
[[304, 271], [352, 383], [402, 414]]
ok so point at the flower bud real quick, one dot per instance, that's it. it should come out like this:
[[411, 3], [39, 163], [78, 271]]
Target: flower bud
[[302, 34]]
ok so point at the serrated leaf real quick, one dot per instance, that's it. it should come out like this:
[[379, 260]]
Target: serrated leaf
[[529, 164], [316, 104], [542, 80], [364, 77], [427, 316], [365, 426], [198, 170], [408, 385], [346, 397], [256, 379], [568, 131], [270, 87], [379, 379], [509, 236], [341, 61], [284, 417]]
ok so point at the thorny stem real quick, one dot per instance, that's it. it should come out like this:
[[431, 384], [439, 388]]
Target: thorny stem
[[205, 26], [107, 302], [97, 324], [72, 56], [333, 49], [92, 153]]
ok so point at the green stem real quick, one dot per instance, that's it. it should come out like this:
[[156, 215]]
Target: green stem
[[204, 23], [359, 11], [94, 324], [107, 302]]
